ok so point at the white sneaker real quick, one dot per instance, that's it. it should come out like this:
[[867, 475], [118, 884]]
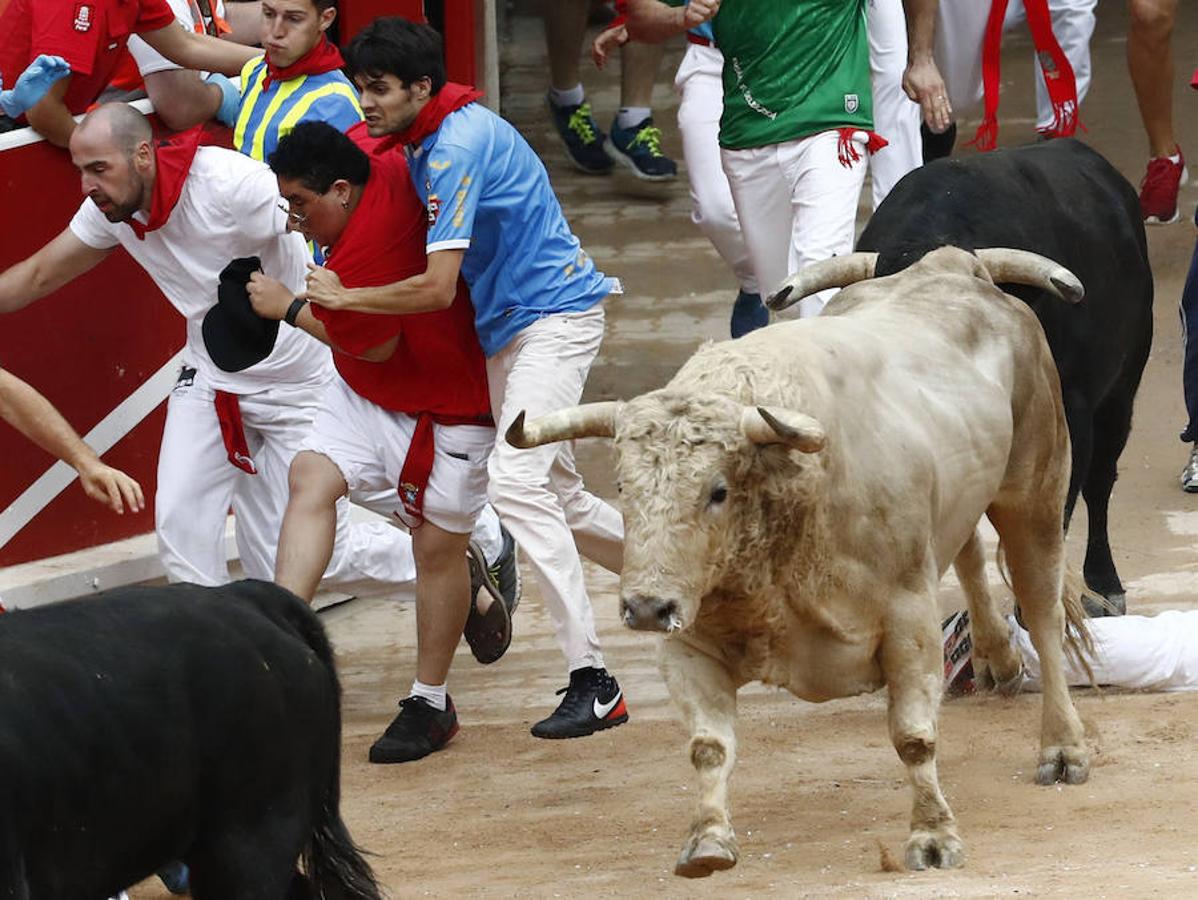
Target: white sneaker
[[1189, 475]]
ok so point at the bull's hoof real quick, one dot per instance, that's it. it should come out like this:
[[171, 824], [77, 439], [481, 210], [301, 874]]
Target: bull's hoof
[[937, 849], [705, 854], [1066, 764]]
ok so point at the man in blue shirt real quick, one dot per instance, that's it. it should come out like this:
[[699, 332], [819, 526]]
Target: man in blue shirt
[[538, 300]]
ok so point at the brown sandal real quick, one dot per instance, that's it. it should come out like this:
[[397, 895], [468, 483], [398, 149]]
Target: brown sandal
[[488, 634]]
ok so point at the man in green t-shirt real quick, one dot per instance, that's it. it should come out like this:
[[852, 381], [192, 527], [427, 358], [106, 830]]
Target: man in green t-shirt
[[797, 121]]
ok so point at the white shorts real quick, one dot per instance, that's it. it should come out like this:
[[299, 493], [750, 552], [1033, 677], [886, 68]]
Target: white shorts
[[369, 444]]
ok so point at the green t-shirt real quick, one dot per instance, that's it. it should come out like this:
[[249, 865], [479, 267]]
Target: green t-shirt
[[792, 68]]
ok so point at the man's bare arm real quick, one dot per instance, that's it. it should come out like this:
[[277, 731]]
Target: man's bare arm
[[59, 262], [181, 98], [32, 414], [651, 21], [199, 51], [431, 290], [245, 18], [922, 81], [50, 117]]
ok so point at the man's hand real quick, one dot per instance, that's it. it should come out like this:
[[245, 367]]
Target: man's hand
[[110, 486], [606, 42], [325, 288], [923, 84], [33, 84], [699, 11], [269, 297]]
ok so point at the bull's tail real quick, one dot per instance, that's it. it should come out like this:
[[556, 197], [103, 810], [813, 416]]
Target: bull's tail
[[1079, 643], [335, 865]]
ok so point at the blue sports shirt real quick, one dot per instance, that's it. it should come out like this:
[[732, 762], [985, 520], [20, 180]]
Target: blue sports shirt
[[487, 192]]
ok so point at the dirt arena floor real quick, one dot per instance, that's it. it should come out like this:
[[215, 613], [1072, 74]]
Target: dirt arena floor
[[818, 789]]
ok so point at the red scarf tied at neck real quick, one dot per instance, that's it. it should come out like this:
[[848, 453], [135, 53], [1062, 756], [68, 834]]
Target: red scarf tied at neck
[[173, 156], [450, 98], [324, 57], [1058, 73]]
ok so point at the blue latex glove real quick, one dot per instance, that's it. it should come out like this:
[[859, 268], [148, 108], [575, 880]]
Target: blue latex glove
[[33, 84], [230, 103]]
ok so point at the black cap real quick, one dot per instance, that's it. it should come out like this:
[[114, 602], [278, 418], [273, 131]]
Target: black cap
[[235, 335]]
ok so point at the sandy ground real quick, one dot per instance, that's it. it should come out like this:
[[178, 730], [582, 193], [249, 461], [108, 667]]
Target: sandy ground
[[818, 789]]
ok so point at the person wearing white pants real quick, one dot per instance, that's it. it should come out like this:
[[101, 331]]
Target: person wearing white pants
[[495, 222], [960, 27], [699, 83], [796, 122]]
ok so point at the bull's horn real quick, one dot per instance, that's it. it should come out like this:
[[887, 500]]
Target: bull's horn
[[783, 426], [839, 271], [588, 420], [1025, 267]]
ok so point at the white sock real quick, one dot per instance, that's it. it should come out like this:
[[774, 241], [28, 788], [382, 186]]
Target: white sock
[[487, 534], [433, 693], [1175, 158], [632, 115], [571, 97]]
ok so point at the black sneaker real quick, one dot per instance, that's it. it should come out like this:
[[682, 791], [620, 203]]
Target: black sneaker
[[592, 703], [500, 579], [582, 137], [639, 148], [418, 730]]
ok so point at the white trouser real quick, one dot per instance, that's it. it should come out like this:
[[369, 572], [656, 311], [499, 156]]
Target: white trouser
[[896, 117], [197, 484], [797, 204], [701, 88], [538, 493], [961, 26], [1150, 653]]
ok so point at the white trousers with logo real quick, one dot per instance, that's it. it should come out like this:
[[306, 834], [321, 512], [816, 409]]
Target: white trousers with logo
[[797, 204], [538, 493], [197, 485], [960, 27]]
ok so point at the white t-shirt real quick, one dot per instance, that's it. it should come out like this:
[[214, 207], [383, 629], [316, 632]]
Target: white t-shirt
[[187, 16], [230, 207]]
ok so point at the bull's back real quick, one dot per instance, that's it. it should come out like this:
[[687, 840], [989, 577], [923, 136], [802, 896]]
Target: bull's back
[[1060, 199]]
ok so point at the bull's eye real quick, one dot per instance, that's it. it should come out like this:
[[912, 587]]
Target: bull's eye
[[719, 494]]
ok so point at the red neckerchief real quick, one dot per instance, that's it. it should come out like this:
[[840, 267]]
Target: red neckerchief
[[1058, 73], [324, 57], [451, 97], [173, 156]]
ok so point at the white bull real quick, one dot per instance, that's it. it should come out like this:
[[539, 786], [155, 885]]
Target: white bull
[[792, 498]]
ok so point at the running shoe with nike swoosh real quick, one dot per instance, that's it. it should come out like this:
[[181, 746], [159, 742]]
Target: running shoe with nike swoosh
[[593, 701]]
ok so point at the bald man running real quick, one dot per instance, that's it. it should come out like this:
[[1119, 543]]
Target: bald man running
[[229, 436]]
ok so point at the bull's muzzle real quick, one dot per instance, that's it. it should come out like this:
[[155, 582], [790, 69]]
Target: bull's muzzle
[[650, 613]]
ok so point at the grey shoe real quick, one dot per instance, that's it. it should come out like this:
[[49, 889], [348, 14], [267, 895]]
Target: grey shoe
[[1189, 475]]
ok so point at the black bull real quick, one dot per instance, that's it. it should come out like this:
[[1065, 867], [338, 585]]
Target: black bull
[[1062, 200], [147, 725]]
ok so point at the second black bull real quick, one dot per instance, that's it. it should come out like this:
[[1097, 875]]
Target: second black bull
[[1060, 199]]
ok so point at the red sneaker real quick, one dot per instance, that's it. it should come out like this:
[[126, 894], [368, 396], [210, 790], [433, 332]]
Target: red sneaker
[[1158, 190]]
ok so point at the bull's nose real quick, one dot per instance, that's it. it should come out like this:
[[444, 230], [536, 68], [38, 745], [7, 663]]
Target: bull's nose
[[650, 613]]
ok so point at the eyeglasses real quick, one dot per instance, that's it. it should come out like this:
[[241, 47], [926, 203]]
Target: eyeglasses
[[293, 218]]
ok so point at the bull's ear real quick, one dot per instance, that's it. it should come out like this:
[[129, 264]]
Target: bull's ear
[[783, 426]]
